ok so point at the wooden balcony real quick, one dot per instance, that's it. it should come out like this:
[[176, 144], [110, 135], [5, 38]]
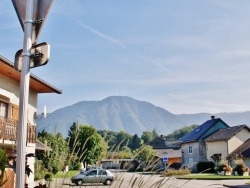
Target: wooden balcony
[[8, 131]]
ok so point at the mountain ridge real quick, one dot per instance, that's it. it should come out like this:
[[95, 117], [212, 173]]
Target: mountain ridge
[[122, 113]]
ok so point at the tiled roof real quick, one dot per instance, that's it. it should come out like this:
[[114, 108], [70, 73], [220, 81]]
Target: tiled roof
[[243, 150], [201, 130], [225, 134]]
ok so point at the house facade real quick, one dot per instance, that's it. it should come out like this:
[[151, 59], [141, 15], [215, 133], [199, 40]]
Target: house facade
[[170, 151], [193, 145], [243, 152], [225, 141], [9, 109]]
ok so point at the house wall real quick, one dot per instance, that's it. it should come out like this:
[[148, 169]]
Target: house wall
[[11, 90], [190, 158], [247, 161], [238, 139], [9, 93], [217, 147]]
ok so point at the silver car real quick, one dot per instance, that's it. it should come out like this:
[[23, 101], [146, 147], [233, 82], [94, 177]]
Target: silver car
[[94, 176]]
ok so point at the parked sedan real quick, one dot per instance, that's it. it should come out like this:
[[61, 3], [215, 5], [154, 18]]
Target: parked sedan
[[94, 176]]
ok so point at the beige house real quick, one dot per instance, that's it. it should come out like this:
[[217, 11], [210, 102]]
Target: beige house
[[225, 141], [193, 144], [9, 111]]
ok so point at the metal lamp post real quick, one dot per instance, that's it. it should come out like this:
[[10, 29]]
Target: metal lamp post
[[31, 14]]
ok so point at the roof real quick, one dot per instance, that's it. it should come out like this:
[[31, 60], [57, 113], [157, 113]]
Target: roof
[[225, 134], [169, 153], [201, 130], [243, 150], [162, 143], [41, 146], [36, 83]]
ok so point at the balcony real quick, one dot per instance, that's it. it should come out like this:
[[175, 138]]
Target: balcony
[[8, 131]]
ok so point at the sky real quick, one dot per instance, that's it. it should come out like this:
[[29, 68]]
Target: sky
[[184, 56]]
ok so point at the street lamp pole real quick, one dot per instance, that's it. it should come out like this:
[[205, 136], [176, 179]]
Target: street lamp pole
[[24, 96]]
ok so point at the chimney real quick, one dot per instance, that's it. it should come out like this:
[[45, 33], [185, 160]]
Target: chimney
[[212, 117]]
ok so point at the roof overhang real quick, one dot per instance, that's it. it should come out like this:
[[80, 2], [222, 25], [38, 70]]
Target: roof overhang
[[36, 84]]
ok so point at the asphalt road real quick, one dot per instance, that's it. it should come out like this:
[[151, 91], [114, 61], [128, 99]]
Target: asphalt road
[[136, 180]]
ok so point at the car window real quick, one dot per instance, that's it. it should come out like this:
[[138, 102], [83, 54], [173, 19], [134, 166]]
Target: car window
[[102, 172], [92, 173]]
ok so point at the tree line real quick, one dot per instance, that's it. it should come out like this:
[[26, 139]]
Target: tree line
[[84, 144]]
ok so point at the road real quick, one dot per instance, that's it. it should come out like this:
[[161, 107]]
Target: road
[[136, 180]]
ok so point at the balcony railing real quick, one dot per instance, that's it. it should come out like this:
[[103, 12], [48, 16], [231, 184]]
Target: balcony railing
[[8, 131]]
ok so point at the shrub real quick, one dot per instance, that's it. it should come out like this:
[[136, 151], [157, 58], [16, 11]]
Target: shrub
[[240, 167], [206, 167], [223, 166], [176, 172], [48, 176]]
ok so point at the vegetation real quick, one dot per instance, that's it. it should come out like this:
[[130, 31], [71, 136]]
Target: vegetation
[[177, 134], [207, 167], [240, 167], [178, 172], [54, 159], [3, 163]]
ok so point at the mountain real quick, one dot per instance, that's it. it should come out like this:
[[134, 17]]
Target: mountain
[[120, 113], [116, 113]]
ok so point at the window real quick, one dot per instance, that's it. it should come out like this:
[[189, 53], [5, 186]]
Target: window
[[190, 149], [102, 172], [92, 173], [3, 109]]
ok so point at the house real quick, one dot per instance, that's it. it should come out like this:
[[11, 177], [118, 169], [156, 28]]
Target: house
[[225, 141], [168, 151], [243, 151], [9, 110], [193, 146]]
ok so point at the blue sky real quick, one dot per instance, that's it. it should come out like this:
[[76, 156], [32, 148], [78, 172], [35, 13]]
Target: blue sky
[[185, 56]]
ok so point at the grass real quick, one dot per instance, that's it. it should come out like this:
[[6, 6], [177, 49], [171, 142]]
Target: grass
[[212, 177], [68, 174]]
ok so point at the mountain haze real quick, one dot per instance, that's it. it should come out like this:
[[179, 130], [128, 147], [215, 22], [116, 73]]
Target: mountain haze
[[115, 113], [120, 113]]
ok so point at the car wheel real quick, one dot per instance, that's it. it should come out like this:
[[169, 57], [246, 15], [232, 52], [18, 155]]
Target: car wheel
[[79, 182], [108, 182]]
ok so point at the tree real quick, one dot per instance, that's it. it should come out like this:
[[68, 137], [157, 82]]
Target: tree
[[122, 139], [3, 163], [135, 142], [177, 134], [85, 143], [145, 153], [147, 137], [55, 159]]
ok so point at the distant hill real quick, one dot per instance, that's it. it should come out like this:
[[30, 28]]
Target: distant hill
[[120, 113]]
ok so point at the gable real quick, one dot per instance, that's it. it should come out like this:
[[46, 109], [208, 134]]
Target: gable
[[204, 130]]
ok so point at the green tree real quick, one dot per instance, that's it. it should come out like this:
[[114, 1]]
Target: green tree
[[135, 142], [85, 143], [3, 163], [55, 159], [145, 153], [123, 139], [177, 134], [147, 137]]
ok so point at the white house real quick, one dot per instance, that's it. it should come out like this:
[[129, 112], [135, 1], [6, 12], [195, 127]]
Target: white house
[[9, 107]]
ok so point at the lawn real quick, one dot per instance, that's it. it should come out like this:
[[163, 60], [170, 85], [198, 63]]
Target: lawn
[[69, 174], [212, 177]]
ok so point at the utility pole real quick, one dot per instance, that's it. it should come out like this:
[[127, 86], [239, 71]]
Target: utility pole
[[24, 93], [31, 14]]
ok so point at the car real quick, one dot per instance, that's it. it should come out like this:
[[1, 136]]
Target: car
[[93, 176]]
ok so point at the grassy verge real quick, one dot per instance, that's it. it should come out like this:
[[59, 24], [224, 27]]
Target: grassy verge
[[211, 177], [69, 174]]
